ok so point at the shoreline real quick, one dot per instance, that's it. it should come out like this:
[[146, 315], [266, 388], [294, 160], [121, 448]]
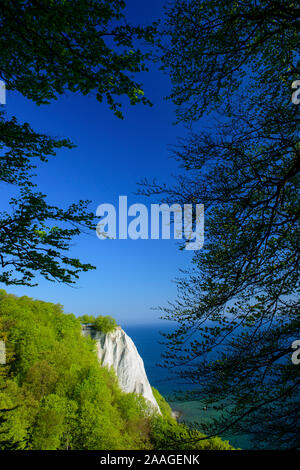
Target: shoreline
[[176, 414]]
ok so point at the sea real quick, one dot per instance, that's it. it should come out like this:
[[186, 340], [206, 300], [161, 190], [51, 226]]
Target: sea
[[148, 339]]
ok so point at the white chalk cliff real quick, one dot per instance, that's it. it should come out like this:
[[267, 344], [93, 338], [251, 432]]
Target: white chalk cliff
[[117, 350]]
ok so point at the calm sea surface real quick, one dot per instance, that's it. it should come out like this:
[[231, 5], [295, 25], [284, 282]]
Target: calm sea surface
[[147, 340]]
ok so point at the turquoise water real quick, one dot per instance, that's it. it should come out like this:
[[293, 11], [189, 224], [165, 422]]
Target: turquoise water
[[146, 339]]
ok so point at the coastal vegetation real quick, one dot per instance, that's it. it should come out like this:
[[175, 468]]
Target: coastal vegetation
[[54, 394], [234, 69], [103, 323]]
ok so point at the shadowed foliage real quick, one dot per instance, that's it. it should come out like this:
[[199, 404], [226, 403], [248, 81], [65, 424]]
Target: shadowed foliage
[[238, 308]]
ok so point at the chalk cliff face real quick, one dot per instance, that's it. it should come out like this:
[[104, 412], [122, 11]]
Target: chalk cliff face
[[117, 350]]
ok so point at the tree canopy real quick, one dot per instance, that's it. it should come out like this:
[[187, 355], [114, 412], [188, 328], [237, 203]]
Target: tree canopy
[[104, 323], [46, 49], [49, 47], [54, 394], [238, 308]]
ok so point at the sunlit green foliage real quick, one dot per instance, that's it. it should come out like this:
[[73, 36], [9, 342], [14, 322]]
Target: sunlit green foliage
[[167, 435], [106, 324], [86, 319], [55, 395], [164, 406], [64, 399]]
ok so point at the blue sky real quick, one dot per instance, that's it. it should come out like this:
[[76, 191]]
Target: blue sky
[[111, 156]]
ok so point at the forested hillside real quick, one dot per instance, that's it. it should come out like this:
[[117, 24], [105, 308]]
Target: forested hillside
[[55, 395]]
